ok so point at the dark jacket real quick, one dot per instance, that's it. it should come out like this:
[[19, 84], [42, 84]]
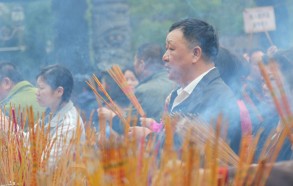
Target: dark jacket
[[210, 98]]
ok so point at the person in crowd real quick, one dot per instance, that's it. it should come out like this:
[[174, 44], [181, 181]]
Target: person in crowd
[[258, 99], [283, 60], [254, 78], [62, 120], [86, 101], [281, 173], [233, 71], [255, 95], [130, 77], [121, 101], [55, 84], [191, 48], [154, 85], [17, 93]]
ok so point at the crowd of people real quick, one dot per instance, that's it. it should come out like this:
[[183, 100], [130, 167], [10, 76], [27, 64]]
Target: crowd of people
[[194, 77]]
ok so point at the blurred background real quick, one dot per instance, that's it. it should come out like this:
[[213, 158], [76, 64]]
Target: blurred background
[[90, 35]]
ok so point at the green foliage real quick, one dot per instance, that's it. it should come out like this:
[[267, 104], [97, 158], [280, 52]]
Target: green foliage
[[32, 32], [151, 19], [289, 6], [38, 27], [88, 18], [38, 31]]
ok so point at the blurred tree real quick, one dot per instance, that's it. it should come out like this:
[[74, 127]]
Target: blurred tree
[[151, 19], [33, 26], [71, 34], [57, 31], [111, 33]]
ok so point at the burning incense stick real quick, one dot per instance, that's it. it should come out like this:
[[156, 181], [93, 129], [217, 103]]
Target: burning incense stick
[[110, 103], [119, 78]]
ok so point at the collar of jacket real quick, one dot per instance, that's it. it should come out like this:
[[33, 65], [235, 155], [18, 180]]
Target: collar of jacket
[[59, 116], [208, 78]]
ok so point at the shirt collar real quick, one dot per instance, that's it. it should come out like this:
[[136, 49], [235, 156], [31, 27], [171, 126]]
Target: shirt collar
[[191, 86]]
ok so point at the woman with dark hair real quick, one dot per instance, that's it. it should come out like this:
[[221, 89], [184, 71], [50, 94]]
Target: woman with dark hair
[[62, 121], [55, 84]]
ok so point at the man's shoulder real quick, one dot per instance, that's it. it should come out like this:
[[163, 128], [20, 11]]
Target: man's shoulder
[[24, 86], [158, 81], [215, 85], [23, 94]]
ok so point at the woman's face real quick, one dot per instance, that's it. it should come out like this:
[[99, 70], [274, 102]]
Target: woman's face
[[131, 79], [46, 96]]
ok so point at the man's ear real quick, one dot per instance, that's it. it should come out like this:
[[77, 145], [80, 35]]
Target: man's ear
[[197, 52], [7, 84], [59, 91]]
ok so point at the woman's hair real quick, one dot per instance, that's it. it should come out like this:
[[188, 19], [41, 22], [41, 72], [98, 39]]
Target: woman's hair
[[58, 76]]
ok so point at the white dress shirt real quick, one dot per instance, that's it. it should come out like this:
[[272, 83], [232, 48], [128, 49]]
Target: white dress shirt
[[183, 93]]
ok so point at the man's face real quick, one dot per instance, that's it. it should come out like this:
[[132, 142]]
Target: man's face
[[178, 56]]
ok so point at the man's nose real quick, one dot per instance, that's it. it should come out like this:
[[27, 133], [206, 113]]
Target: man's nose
[[165, 57]]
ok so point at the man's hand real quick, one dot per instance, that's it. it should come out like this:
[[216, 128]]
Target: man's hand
[[138, 132], [147, 122], [106, 113]]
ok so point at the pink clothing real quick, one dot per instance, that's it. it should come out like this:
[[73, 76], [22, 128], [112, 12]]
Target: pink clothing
[[246, 125], [156, 127]]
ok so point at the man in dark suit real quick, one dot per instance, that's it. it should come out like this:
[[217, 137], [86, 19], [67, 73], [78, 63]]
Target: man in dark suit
[[191, 47]]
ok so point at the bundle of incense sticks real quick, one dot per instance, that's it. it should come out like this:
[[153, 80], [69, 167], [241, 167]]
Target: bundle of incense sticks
[[127, 162], [283, 104], [274, 142], [108, 101], [24, 161], [21, 156], [202, 133], [119, 78]]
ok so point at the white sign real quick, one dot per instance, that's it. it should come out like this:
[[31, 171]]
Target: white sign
[[260, 19]]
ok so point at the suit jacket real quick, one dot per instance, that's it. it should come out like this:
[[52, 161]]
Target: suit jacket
[[210, 98]]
